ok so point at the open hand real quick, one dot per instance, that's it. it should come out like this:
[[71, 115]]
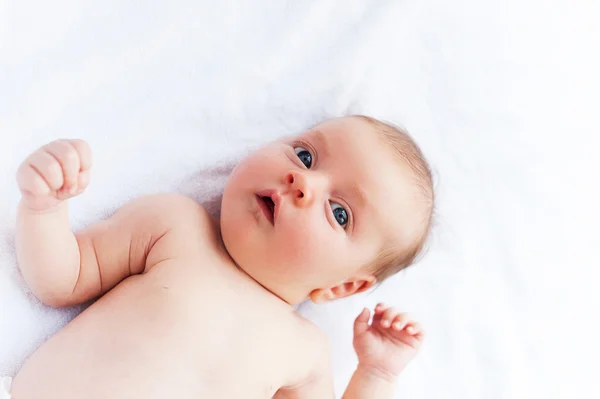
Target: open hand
[[55, 172], [387, 344]]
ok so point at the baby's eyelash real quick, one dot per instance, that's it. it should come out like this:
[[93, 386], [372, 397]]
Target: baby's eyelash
[[344, 205], [310, 148]]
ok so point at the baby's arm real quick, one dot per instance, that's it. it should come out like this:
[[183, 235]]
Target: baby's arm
[[63, 268], [47, 250], [318, 384]]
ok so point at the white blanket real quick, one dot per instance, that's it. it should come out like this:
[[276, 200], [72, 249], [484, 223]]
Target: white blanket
[[500, 94]]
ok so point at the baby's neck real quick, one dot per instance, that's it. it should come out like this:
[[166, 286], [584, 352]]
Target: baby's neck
[[282, 294], [251, 278], [241, 269]]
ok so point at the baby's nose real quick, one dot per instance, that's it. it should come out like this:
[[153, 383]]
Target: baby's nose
[[301, 188]]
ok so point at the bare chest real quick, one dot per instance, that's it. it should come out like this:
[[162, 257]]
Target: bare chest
[[184, 330]]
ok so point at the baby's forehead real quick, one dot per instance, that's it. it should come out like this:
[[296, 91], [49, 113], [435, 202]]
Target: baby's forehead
[[345, 135]]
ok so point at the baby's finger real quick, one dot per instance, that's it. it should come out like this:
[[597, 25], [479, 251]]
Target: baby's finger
[[380, 308], [30, 182], [377, 318], [400, 321], [85, 153], [84, 180], [378, 312], [415, 329], [48, 168], [388, 316], [361, 324], [68, 158]]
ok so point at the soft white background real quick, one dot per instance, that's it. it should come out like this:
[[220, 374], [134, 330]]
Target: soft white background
[[503, 96]]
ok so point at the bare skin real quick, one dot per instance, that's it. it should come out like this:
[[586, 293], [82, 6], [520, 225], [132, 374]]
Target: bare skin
[[178, 314]]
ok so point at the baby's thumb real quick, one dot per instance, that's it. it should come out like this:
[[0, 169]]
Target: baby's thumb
[[361, 324]]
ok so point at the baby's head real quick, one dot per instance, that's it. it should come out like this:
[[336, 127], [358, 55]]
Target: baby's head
[[330, 212]]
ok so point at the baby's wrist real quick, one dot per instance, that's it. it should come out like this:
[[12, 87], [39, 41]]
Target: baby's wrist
[[377, 373], [32, 207]]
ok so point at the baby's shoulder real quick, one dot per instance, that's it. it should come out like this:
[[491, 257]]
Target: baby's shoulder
[[314, 340], [176, 214], [309, 349], [179, 228], [170, 207]]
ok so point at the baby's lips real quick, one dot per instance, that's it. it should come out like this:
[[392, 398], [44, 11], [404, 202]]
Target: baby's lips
[[275, 197]]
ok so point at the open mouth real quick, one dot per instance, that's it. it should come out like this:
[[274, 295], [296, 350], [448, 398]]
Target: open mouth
[[267, 206]]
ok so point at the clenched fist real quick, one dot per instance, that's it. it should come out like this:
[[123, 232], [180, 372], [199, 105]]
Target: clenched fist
[[54, 173]]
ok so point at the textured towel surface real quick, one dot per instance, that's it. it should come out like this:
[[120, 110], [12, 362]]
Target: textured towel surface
[[502, 96]]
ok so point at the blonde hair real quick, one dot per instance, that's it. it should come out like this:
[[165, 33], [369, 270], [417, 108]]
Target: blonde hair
[[392, 258]]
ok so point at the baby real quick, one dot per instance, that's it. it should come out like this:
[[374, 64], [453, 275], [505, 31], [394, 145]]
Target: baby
[[195, 308]]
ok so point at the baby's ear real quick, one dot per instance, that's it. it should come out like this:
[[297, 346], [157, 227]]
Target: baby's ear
[[350, 286]]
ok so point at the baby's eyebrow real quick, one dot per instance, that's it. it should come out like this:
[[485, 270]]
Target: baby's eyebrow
[[358, 194], [324, 143]]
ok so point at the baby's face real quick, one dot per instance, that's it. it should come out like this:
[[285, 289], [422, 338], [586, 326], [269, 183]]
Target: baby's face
[[311, 211]]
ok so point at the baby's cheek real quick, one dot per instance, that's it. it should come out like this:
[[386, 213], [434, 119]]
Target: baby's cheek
[[309, 249]]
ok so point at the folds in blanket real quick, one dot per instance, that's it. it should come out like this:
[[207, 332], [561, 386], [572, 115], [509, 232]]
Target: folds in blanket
[[206, 186]]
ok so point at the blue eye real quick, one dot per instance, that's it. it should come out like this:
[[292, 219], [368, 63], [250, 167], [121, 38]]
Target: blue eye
[[304, 155], [339, 213]]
